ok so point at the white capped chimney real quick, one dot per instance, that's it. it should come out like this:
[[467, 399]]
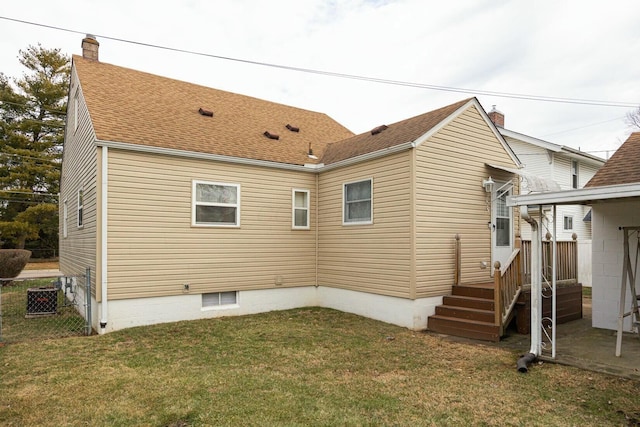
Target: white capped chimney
[[90, 47]]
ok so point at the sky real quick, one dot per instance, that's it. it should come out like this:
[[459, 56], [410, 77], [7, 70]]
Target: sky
[[491, 49]]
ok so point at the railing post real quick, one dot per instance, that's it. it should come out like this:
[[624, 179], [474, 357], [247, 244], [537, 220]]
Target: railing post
[[458, 268], [574, 236], [497, 292], [519, 269]]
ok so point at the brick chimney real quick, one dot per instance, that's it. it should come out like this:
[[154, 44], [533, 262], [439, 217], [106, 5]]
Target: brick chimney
[[496, 117], [90, 47]]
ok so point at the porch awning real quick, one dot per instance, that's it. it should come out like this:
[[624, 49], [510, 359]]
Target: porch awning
[[532, 183]]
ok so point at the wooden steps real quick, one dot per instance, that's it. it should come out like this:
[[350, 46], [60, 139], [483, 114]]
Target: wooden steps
[[468, 312]]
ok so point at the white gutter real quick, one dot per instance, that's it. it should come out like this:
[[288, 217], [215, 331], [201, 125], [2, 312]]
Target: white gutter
[[369, 156], [103, 237], [204, 156], [574, 197], [308, 167]]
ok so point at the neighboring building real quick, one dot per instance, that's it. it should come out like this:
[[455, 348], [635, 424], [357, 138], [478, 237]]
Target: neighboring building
[[614, 195], [189, 202], [567, 167]]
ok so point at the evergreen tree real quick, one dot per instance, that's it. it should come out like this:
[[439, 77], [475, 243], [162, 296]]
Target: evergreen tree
[[32, 113]]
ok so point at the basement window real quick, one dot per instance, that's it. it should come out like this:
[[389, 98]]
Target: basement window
[[220, 299]]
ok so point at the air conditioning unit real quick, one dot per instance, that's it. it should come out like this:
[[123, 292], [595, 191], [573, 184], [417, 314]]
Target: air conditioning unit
[[42, 301]]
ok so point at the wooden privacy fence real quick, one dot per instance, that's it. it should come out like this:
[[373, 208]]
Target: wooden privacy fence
[[566, 260]]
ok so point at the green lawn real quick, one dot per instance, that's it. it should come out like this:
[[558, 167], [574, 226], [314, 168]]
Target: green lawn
[[298, 367]]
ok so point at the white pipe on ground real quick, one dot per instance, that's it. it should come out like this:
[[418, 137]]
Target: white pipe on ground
[[536, 295]]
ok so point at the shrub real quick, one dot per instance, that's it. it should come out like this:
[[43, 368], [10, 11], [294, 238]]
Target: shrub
[[12, 262]]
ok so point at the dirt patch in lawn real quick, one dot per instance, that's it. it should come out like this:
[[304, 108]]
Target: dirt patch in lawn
[[43, 265]]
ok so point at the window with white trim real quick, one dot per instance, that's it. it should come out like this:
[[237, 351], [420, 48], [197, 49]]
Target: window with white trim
[[65, 218], [568, 222], [80, 208], [574, 174], [300, 209], [75, 110], [219, 299], [215, 204], [357, 202]]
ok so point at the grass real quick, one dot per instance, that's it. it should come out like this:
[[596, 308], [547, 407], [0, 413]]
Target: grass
[[298, 367]]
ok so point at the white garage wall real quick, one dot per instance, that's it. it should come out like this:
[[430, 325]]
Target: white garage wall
[[607, 260]]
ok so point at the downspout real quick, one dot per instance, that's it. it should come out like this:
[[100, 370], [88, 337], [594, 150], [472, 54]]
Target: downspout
[[103, 242], [536, 296], [317, 223]]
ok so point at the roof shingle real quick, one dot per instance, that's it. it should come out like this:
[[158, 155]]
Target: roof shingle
[[134, 107], [407, 130], [623, 167]]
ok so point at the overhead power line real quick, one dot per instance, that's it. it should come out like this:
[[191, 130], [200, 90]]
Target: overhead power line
[[528, 97]]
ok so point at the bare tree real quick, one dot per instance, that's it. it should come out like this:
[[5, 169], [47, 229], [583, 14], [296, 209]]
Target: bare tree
[[633, 118]]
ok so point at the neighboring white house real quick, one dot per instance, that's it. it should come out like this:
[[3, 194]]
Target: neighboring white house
[[614, 194], [569, 169]]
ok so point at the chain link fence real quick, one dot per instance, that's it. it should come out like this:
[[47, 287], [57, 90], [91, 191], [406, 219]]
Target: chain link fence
[[45, 308]]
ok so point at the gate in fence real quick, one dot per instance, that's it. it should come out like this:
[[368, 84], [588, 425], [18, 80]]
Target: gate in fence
[[45, 308]]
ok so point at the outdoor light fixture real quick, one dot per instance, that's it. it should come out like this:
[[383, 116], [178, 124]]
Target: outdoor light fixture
[[488, 185]]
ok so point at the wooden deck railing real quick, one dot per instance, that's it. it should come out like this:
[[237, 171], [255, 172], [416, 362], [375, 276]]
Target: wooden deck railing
[[457, 273], [509, 278], [507, 285], [566, 257]]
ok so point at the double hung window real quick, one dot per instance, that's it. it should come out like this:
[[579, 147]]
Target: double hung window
[[215, 204], [358, 202], [300, 209]]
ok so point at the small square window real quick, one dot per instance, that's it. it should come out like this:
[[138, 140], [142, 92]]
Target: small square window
[[568, 223], [358, 202], [300, 209], [219, 299]]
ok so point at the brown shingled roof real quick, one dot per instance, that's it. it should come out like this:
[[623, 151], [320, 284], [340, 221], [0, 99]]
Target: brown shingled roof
[[398, 133], [623, 167], [139, 108]]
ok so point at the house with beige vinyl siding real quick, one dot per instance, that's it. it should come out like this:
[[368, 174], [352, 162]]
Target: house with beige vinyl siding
[[200, 203]]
